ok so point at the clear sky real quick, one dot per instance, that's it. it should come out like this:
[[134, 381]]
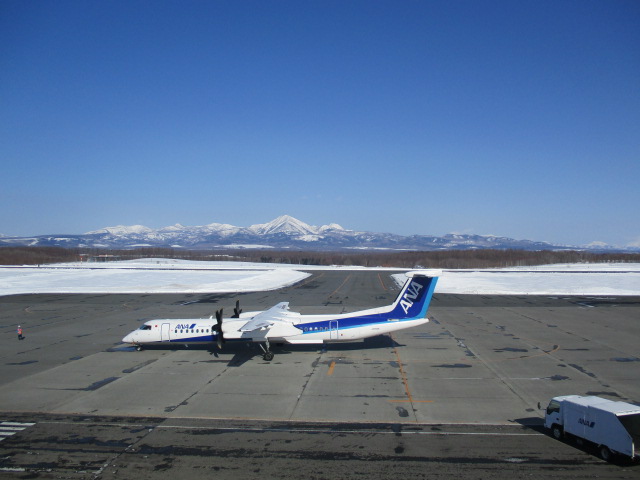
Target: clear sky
[[512, 118]]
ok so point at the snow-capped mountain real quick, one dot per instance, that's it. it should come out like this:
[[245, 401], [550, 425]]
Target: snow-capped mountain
[[123, 230], [284, 224], [284, 232]]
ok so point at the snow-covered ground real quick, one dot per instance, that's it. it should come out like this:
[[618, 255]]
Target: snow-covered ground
[[572, 279], [181, 276], [150, 276]]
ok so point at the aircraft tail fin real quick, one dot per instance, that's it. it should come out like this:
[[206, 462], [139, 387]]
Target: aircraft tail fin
[[414, 297]]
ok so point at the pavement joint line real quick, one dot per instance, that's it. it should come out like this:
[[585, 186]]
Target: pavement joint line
[[506, 381], [304, 387], [407, 401], [526, 357]]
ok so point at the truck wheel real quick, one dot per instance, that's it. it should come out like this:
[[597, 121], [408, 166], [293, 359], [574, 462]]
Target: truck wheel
[[557, 432], [605, 453]]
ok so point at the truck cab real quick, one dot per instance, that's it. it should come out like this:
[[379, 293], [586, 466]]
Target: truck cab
[[553, 416]]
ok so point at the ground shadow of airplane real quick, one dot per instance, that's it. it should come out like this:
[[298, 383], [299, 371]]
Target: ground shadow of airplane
[[243, 352]]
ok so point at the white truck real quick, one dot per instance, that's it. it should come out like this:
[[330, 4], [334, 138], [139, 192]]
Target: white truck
[[613, 427]]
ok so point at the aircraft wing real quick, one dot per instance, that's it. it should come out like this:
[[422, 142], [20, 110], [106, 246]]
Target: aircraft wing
[[267, 318]]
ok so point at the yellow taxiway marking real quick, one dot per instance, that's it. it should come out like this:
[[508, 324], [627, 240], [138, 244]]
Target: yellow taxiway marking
[[331, 367], [381, 282], [402, 374], [309, 279], [405, 382], [341, 285]]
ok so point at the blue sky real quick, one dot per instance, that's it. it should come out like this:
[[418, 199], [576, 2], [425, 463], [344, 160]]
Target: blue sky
[[519, 119]]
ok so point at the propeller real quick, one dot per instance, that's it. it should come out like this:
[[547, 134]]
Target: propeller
[[221, 339], [237, 311]]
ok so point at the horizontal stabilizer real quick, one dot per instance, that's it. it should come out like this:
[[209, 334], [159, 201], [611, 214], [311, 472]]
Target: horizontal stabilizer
[[431, 273]]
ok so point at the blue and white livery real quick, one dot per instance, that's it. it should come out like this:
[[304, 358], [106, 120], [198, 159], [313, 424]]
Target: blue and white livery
[[279, 324]]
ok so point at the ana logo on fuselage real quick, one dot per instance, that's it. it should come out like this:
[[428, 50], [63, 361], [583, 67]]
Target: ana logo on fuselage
[[182, 326], [410, 296]]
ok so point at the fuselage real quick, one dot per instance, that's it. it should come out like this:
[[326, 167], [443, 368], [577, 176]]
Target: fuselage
[[281, 325], [309, 329]]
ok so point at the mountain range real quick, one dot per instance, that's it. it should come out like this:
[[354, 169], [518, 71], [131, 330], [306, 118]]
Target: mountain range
[[285, 232]]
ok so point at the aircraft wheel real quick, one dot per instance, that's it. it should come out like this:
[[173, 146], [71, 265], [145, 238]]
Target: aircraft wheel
[[268, 356], [139, 348]]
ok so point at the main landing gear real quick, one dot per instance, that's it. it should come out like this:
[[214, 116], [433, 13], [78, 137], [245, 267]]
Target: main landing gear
[[268, 354]]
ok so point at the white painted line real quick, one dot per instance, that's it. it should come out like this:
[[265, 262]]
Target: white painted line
[[8, 429]]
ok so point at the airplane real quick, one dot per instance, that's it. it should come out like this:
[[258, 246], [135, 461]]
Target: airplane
[[280, 325]]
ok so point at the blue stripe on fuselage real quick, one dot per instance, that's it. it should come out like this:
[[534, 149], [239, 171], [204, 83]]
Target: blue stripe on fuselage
[[201, 338], [415, 299]]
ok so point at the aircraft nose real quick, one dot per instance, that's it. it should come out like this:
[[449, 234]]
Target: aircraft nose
[[128, 338]]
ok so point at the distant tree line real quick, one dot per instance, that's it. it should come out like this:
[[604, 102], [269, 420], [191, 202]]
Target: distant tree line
[[411, 259], [36, 255]]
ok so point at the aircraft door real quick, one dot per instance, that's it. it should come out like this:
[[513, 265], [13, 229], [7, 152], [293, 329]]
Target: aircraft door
[[333, 330], [164, 332]]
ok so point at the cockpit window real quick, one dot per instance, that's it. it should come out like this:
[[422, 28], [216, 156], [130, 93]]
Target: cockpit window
[[145, 327]]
